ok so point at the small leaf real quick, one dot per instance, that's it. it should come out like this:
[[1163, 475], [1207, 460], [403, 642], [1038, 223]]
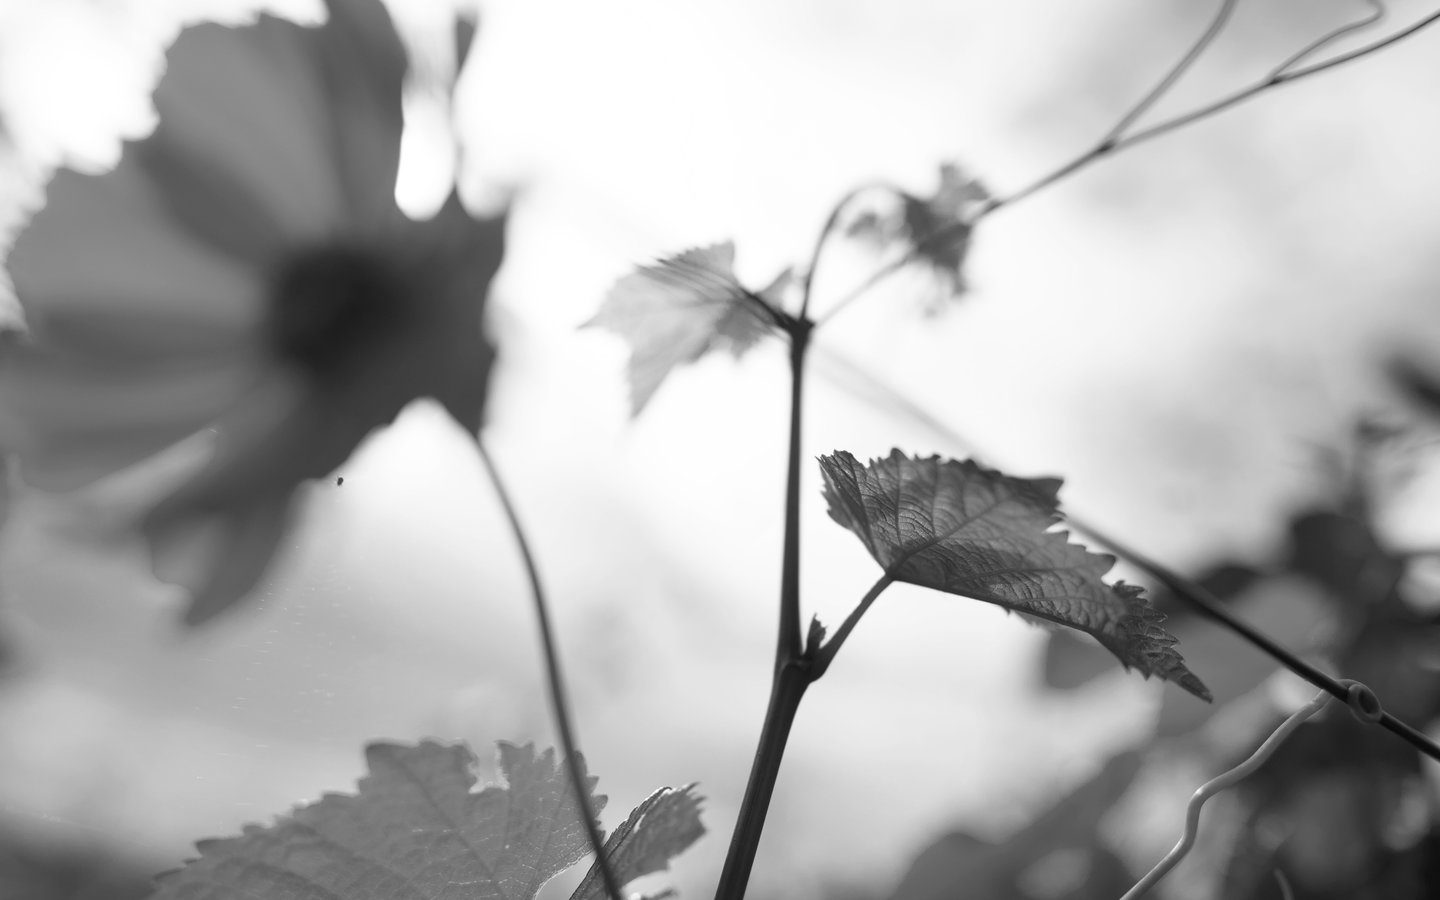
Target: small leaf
[[416, 831], [659, 829], [939, 225], [937, 228], [964, 529], [679, 309], [815, 636]]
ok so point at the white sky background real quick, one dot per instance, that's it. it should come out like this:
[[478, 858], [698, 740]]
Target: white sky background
[[1177, 331]]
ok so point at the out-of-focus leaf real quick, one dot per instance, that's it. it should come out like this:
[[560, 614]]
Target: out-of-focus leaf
[[937, 228], [1350, 802], [32, 868], [416, 831], [679, 309], [1420, 384], [1061, 845], [1288, 610], [666, 823], [964, 529], [465, 29], [1343, 554]]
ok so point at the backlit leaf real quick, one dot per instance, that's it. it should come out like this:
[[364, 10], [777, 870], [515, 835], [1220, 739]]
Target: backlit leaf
[[679, 309], [415, 830], [937, 228], [964, 529], [656, 832]]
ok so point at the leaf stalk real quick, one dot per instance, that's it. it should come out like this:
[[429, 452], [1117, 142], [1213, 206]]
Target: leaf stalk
[[826, 654]]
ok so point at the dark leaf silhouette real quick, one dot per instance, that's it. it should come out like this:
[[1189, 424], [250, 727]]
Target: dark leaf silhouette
[[1417, 382], [682, 307], [1059, 854], [416, 831], [964, 529]]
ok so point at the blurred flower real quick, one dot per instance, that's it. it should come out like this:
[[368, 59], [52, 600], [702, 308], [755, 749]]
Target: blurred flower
[[245, 270]]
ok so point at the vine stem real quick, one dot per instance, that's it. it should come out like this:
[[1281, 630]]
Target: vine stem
[[1115, 141], [559, 703], [1207, 603], [831, 222], [786, 691], [1217, 24], [792, 672], [788, 641]]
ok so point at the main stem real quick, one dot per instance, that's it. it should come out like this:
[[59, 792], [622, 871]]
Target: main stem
[[793, 673], [788, 688], [788, 644]]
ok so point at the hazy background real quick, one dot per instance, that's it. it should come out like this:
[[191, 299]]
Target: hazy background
[[1179, 331]]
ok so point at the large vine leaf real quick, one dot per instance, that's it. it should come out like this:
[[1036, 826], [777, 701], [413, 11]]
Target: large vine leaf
[[964, 529], [679, 309], [416, 831]]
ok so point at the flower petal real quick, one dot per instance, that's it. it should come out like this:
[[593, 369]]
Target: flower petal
[[71, 423], [220, 558], [363, 65], [276, 122], [102, 244], [284, 432], [249, 101]]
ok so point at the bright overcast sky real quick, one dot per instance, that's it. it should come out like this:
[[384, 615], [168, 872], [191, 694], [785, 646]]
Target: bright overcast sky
[[1178, 331]]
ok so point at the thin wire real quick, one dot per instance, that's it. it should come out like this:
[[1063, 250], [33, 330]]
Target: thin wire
[[559, 704], [1217, 784]]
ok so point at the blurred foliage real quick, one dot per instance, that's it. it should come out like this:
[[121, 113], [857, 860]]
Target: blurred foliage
[[1342, 810], [1059, 854], [30, 871]]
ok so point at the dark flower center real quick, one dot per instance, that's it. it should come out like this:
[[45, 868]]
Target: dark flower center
[[328, 303]]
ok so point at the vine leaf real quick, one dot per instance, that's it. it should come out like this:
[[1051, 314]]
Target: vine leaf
[[937, 228], [959, 527], [682, 307], [656, 831], [416, 831]]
